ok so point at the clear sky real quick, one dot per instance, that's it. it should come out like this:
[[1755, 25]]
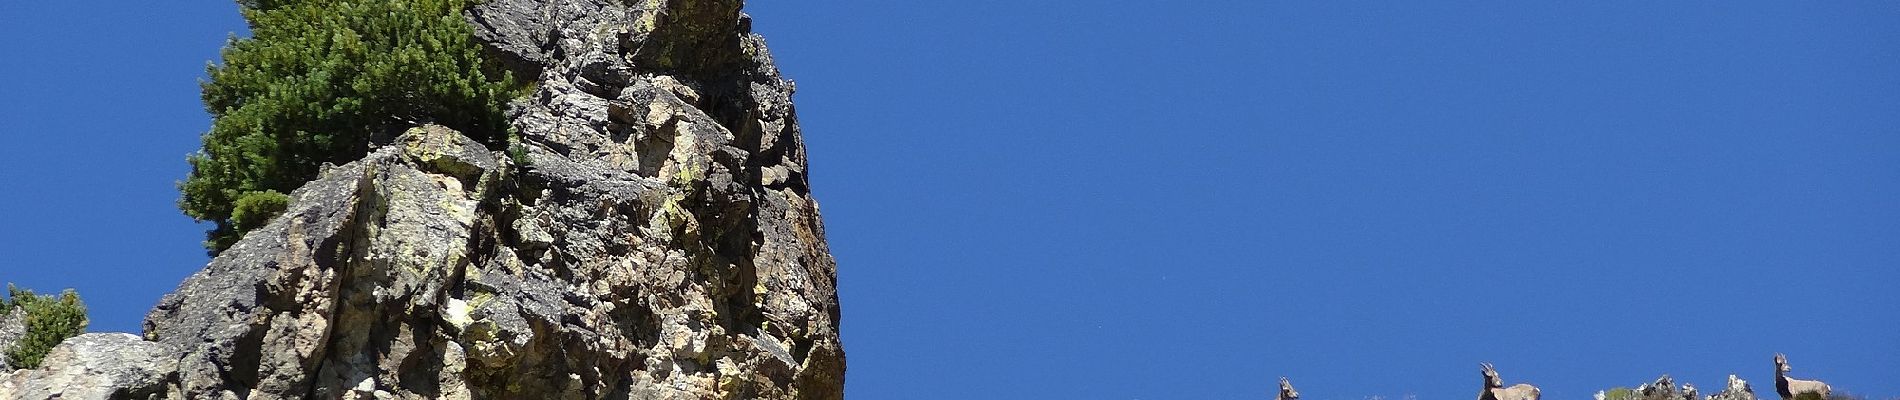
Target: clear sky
[[1185, 200]]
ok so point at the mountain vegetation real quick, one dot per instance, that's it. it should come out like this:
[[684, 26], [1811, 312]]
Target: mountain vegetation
[[323, 82], [48, 321]]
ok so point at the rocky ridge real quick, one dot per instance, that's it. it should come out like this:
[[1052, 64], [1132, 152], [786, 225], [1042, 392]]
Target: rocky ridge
[[1665, 388], [650, 235]]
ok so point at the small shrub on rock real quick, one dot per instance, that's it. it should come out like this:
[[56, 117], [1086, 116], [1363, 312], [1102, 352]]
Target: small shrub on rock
[[1620, 393], [323, 82], [49, 320], [255, 209]]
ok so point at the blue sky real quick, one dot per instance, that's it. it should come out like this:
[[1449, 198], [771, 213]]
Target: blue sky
[[1184, 200]]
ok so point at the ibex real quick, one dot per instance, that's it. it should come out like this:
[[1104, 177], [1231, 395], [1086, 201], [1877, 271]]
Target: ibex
[[1788, 388], [1286, 390], [1494, 387]]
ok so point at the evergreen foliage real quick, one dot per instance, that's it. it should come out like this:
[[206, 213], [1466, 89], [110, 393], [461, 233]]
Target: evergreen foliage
[[1620, 393], [49, 320], [255, 209], [322, 82]]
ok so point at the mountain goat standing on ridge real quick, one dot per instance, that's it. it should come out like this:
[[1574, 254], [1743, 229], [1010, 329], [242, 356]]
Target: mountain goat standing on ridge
[[1788, 388], [1494, 387]]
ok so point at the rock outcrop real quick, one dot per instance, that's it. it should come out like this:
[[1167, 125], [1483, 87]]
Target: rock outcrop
[[651, 235], [1737, 389], [97, 366], [1664, 388], [12, 328]]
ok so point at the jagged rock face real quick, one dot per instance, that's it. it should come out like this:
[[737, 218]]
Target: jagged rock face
[[12, 328], [1737, 389], [651, 236], [1664, 388], [97, 366]]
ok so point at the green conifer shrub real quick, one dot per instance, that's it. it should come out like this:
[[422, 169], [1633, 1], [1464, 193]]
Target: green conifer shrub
[[49, 320], [255, 209], [1620, 393], [323, 81]]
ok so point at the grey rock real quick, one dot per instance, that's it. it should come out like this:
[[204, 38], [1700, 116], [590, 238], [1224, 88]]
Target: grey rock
[[97, 366], [12, 328], [1663, 388], [572, 39], [651, 235], [1737, 389]]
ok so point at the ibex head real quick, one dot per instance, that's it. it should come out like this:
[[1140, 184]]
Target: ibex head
[[1286, 390]]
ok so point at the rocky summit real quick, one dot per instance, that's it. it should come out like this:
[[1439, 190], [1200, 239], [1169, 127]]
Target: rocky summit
[[650, 235]]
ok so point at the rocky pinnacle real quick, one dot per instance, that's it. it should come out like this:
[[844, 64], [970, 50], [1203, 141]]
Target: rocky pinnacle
[[651, 235]]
